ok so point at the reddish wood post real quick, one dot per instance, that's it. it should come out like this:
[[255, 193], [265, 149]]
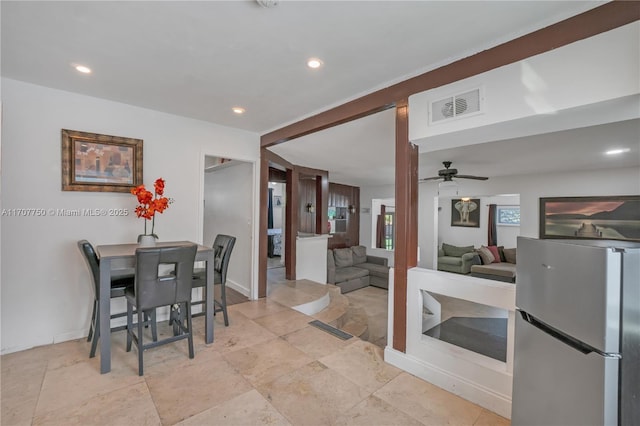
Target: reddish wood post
[[406, 244]]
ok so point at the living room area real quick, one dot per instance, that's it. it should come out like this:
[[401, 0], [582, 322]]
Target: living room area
[[545, 144], [521, 171], [351, 295]]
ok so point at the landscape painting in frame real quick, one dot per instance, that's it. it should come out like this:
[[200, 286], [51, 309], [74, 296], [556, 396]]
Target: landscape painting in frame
[[606, 218], [100, 163]]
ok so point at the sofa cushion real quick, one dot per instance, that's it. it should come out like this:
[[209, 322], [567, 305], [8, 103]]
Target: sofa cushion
[[450, 260], [359, 254], [350, 273], [495, 253], [455, 251], [486, 255], [331, 263], [375, 270], [499, 269], [343, 257], [510, 255], [501, 253]]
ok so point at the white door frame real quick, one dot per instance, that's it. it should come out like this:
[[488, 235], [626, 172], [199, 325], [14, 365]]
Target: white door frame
[[253, 291]]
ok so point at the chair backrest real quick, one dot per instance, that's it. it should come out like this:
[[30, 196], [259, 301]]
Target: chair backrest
[[222, 246], [91, 259], [151, 288]]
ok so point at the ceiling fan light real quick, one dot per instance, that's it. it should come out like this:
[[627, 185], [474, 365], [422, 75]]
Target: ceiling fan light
[[448, 187]]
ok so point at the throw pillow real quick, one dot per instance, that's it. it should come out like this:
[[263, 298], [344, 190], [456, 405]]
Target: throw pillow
[[501, 253], [343, 257], [495, 253], [510, 255], [455, 251], [359, 254], [486, 255]]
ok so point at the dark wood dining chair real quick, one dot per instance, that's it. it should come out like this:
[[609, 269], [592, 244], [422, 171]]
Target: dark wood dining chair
[[120, 281], [222, 246], [163, 278]]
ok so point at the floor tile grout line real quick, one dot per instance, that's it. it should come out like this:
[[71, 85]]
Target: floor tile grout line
[[35, 406], [153, 401], [479, 415], [407, 413]]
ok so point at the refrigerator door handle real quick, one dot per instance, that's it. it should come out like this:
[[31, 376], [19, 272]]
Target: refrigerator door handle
[[565, 338]]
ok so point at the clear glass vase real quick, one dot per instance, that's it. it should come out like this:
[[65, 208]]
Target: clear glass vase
[[147, 240]]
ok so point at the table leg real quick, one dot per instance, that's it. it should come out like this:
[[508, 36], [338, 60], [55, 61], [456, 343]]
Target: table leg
[[209, 306], [105, 315]]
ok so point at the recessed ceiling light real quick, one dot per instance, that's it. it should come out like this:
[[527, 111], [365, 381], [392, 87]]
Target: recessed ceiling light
[[83, 69], [238, 110], [314, 63], [617, 151], [268, 3]]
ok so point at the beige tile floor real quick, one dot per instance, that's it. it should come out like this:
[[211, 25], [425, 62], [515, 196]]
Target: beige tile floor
[[267, 367], [374, 302]]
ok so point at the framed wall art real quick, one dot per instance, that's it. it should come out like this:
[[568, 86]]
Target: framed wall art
[[608, 218], [508, 215], [100, 163], [465, 212]]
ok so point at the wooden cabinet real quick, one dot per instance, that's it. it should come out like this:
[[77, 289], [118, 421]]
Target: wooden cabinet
[[344, 218], [343, 215]]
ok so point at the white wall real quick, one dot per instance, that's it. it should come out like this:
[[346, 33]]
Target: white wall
[[46, 294], [367, 227], [229, 210], [462, 236], [590, 71], [531, 188]]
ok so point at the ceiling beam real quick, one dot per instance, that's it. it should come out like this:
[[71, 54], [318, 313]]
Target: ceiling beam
[[588, 24]]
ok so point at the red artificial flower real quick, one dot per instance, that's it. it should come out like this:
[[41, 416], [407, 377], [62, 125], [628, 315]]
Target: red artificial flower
[[159, 186], [150, 203]]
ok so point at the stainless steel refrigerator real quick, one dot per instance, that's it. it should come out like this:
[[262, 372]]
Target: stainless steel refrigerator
[[577, 333]]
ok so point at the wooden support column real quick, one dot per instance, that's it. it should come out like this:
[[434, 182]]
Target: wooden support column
[[406, 244], [293, 178], [322, 203]]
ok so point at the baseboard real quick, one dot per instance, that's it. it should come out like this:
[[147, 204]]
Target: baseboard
[[470, 391], [239, 288]]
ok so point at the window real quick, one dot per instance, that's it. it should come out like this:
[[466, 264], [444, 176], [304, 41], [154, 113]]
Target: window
[[389, 230], [508, 215], [383, 223]]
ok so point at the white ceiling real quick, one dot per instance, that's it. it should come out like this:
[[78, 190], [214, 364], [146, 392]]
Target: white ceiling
[[198, 59], [359, 153], [362, 153], [568, 150]]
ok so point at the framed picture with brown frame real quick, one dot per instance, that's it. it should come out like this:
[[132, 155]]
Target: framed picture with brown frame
[[100, 163], [603, 218]]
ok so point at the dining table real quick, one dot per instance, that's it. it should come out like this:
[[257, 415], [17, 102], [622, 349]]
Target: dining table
[[115, 257]]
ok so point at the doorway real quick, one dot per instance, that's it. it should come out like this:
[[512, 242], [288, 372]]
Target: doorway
[[228, 209], [276, 233]]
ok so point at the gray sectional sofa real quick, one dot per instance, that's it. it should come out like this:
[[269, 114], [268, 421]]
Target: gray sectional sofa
[[505, 270], [350, 269], [457, 259]]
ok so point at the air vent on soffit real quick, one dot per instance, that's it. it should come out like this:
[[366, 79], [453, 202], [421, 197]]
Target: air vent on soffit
[[463, 104]]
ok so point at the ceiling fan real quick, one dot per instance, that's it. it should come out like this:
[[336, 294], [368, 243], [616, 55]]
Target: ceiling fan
[[448, 174]]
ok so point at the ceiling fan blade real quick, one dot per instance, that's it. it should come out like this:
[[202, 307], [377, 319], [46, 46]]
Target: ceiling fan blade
[[471, 177], [432, 178]]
